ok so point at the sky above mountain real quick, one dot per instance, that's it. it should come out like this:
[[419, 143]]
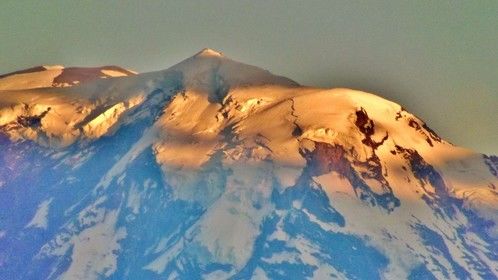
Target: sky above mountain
[[438, 59]]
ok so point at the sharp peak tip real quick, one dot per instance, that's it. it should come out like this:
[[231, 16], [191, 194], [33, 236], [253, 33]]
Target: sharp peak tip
[[209, 52]]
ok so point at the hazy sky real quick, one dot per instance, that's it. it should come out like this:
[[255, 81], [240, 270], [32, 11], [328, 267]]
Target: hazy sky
[[439, 59]]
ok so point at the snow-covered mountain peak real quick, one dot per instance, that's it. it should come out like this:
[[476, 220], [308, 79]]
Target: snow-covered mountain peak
[[209, 52], [215, 74]]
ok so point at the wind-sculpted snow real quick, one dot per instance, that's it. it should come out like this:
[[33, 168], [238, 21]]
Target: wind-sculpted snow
[[213, 169]]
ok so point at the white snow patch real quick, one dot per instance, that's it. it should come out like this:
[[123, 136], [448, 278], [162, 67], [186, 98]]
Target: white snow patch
[[40, 220], [209, 52], [133, 201], [325, 271], [260, 274], [53, 67], [113, 73]]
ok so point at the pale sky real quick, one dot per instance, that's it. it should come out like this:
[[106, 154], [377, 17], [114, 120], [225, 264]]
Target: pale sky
[[438, 59]]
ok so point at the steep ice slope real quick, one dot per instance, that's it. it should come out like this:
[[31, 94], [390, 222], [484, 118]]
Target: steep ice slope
[[217, 169]]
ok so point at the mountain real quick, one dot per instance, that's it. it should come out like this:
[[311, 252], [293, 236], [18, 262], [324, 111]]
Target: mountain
[[214, 169]]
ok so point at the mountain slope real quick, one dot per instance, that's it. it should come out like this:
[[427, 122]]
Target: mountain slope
[[217, 169]]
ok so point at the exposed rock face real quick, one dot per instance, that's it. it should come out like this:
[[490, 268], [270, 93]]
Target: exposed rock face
[[217, 169]]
